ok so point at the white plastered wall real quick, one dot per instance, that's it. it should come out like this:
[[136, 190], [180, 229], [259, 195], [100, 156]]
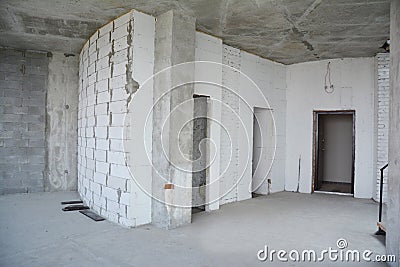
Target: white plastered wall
[[353, 80]]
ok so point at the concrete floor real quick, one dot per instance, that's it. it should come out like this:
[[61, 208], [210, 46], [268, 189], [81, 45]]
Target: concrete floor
[[35, 232]]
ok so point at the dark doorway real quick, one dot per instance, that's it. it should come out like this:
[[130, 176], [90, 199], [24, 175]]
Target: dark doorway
[[334, 151], [200, 153]]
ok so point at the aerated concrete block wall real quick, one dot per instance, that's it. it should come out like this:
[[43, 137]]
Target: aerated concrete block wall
[[23, 82], [107, 84], [270, 77], [38, 121], [382, 99]]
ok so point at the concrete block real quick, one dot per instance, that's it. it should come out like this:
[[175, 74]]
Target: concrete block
[[102, 167], [102, 120], [120, 56], [121, 44], [95, 187], [120, 171], [119, 94], [101, 109], [89, 153], [118, 107], [116, 145], [36, 143], [101, 132], [114, 206], [102, 63], [104, 74], [117, 119], [14, 101], [92, 79], [119, 69], [118, 82], [104, 51], [106, 29], [100, 178], [92, 49], [93, 57], [103, 97], [103, 41], [120, 32], [109, 193], [102, 85], [90, 111], [125, 198], [91, 142], [100, 155], [116, 157], [93, 38], [115, 132], [117, 183], [102, 144], [10, 118], [109, 215], [124, 19], [10, 142], [99, 201], [90, 164], [90, 122]]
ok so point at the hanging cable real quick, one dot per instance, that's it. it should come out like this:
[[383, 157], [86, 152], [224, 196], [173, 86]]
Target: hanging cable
[[329, 89]]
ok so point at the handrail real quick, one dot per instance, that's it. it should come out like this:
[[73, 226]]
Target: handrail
[[381, 192]]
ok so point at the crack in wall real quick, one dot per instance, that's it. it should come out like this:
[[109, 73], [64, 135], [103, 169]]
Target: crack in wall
[[131, 85]]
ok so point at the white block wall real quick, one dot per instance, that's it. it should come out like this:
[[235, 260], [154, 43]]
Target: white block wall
[[270, 77], [106, 67], [354, 84], [382, 98]]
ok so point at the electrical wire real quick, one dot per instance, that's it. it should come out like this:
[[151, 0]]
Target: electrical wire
[[329, 89]]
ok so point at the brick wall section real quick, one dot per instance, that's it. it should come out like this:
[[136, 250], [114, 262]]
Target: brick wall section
[[103, 177], [230, 147], [23, 78], [382, 101]]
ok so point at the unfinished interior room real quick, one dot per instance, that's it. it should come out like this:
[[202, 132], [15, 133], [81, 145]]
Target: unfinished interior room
[[200, 133]]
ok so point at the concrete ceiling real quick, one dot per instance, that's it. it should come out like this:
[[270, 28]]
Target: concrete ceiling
[[287, 31]]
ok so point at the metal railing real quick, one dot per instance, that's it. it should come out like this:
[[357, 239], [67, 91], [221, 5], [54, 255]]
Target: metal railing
[[380, 230]]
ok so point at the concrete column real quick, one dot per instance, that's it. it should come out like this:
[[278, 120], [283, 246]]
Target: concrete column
[[62, 124], [393, 211], [172, 115]]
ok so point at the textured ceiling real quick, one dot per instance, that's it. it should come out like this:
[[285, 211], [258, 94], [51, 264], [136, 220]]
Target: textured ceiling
[[287, 31]]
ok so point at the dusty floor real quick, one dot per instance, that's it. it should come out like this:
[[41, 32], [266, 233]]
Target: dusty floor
[[35, 232]]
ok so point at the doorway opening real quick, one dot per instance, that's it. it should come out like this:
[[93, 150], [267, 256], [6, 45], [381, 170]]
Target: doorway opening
[[334, 143], [200, 152], [263, 147]]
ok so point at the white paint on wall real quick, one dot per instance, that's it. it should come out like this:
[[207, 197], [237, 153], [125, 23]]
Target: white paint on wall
[[353, 81]]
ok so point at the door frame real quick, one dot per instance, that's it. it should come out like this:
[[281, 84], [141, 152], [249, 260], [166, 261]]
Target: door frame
[[315, 147]]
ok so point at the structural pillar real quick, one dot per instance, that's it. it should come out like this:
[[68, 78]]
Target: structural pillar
[[173, 119], [393, 205]]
